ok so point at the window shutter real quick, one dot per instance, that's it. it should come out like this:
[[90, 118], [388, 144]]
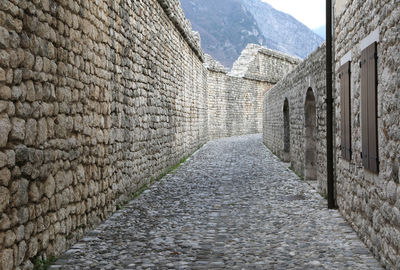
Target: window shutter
[[345, 101], [372, 109], [364, 109], [369, 108]]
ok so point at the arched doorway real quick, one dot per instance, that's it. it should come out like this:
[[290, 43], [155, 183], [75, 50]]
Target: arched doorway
[[310, 147], [286, 131]]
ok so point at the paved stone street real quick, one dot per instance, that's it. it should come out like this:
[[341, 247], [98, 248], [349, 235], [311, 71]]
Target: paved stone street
[[232, 205]]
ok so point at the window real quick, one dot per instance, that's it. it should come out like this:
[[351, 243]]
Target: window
[[345, 110], [369, 115]]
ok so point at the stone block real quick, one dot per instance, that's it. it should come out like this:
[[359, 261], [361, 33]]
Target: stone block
[[34, 193], [7, 259], [4, 198], [33, 247], [9, 238], [5, 176], [5, 222], [5, 128], [19, 188], [31, 132], [3, 75], [22, 248], [3, 160], [5, 92], [18, 129], [4, 59], [4, 38]]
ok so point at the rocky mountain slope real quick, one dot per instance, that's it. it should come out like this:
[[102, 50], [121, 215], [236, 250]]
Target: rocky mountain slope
[[227, 26]]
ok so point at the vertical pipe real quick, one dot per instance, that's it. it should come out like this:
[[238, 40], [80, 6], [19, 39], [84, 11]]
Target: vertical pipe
[[329, 106]]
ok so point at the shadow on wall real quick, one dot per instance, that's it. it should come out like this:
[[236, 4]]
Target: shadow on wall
[[310, 143], [286, 131]]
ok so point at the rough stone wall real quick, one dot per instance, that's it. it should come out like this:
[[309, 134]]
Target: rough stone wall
[[96, 97], [371, 202], [293, 87], [235, 98]]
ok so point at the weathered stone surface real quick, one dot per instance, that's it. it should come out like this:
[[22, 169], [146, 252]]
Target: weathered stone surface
[[5, 222], [5, 128], [5, 92], [5, 176], [4, 38], [6, 259], [18, 129], [22, 247], [34, 193], [309, 75], [4, 198], [31, 132], [3, 159], [19, 189], [49, 186], [355, 184], [9, 239]]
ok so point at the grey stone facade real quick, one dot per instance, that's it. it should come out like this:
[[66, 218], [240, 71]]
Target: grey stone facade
[[236, 97], [292, 140], [369, 201]]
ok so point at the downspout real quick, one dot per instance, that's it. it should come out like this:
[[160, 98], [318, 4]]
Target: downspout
[[329, 106]]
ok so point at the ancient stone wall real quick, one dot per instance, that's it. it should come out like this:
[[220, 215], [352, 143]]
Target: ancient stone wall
[[370, 201], [300, 137], [235, 98], [96, 98]]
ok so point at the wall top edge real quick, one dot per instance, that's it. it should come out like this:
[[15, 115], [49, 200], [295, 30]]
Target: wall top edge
[[174, 11]]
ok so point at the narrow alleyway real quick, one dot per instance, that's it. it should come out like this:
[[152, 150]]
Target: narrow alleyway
[[232, 205]]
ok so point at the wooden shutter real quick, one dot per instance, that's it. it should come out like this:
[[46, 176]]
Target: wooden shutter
[[345, 106], [369, 108]]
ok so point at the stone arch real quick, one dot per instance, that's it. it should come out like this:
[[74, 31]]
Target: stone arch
[[310, 134], [286, 130]]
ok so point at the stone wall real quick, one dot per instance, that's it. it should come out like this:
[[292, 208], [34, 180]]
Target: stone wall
[[301, 138], [96, 98], [235, 98], [371, 202]]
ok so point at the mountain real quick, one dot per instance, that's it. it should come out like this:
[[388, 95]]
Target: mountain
[[227, 26], [320, 31], [290, 35]]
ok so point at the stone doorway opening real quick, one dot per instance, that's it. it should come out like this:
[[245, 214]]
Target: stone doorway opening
[[286, 131], [310, 143]]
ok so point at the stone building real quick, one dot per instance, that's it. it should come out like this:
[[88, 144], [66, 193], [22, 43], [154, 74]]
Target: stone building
[[99, 98], [367, 117], [367, 61]]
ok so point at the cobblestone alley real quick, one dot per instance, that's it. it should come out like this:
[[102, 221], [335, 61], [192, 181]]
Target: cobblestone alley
[[232, 205]]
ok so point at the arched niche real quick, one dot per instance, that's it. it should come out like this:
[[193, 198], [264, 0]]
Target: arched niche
[[310, 134], [286, 130]]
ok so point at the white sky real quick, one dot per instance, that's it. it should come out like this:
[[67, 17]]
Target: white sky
[[309, 12]]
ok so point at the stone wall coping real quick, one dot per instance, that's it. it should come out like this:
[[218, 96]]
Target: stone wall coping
[[213, 65], [249, 55], [175, 13], [280, 55], [298, 67]]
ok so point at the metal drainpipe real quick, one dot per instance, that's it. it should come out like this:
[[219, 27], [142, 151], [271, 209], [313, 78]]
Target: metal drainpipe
[[329, 106]]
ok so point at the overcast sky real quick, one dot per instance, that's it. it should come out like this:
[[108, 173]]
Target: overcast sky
[[309, 12]]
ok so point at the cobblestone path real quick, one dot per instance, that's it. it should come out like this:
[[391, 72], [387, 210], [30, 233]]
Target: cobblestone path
[[232, 205]]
